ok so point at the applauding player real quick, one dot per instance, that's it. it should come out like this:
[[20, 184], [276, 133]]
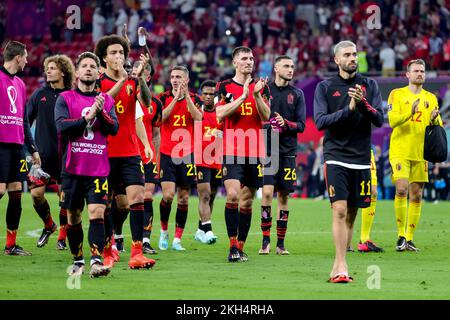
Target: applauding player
[[289, 112]]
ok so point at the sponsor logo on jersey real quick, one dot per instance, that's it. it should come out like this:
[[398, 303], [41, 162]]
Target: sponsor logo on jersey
[[290, 98], [336, 94]]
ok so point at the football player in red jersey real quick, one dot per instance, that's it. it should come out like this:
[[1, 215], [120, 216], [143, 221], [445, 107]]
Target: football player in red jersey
[[152, 122], [242, 104], [126, 165], [208, 160], [180, 109]]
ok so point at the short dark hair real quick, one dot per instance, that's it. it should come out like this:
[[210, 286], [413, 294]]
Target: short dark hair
[[238, 50], [279, 58], [415, 61], [90, 55], [208, 83], [13, 49], [180, 68], [102, 46]]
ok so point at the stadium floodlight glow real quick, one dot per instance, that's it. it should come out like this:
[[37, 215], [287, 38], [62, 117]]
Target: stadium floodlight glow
[[227, 32]]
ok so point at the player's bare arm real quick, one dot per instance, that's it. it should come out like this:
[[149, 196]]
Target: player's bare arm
[[228, 109], [142, 135], [193, 110], [145, 94], [261, 103]]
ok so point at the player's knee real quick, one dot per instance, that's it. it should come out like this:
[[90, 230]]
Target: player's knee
[[374, 193], [168, 196], [74, 219], [267, 195], [401, 191], [97, 213], [232, 195], [340, 211], [37, 197], [246, 203], [148, 196], [205, 197]]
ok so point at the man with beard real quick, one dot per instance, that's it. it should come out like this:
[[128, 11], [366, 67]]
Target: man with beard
[[288, 111], [86, 118], [60, 74], [410, 110], [346, 106]]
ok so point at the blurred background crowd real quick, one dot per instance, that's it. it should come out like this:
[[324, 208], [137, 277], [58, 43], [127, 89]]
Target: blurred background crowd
[[202, 34]]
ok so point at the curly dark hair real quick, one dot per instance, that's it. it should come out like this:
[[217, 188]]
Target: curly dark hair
[[64, 64], [103, 44]]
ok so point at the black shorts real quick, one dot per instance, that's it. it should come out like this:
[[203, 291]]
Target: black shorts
[[151, 173], [13, 165], [125, 171], [209, 175], [249, 171], [182, 172], [78, 189], [285, 178], [352, 185], [52, 166]]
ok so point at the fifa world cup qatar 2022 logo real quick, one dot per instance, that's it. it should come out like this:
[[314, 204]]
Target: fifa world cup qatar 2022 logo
[[12, 96]]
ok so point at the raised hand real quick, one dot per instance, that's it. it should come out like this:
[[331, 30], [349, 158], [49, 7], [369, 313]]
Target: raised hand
[[415, 106], [125, 33], [262, 82], [143, 59], [246, 87], [434, 114]]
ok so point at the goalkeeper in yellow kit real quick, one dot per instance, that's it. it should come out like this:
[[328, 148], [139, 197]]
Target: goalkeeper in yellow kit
[[411, 109]]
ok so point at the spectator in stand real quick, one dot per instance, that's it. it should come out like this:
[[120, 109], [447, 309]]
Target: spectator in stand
[[98, 25], [435, 51], [401, 53], [387, 57], [121, 20]]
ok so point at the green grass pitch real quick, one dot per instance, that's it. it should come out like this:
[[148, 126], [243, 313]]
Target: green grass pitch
[[202, 272]]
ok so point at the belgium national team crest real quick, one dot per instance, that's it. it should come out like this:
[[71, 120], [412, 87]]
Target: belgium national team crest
[[331, 191], [290, 98], [129, 89]]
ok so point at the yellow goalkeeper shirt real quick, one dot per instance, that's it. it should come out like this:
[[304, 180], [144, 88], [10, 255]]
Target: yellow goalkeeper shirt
[[408, 132]]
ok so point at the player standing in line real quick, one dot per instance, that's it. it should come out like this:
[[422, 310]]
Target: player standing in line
[[346, 106], [242, 105], [368, 214], [152, 122], [123, 150], [289, 111], [411, 109], [208, 161], [60, 74], [14, 134], [86, 118], [177, 174]]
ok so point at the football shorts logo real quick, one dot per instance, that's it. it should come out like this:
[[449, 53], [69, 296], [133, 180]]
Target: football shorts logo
[[399, 166], [224, 171], [331, 191], [200, 175], [290, 98], [161, 173]]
